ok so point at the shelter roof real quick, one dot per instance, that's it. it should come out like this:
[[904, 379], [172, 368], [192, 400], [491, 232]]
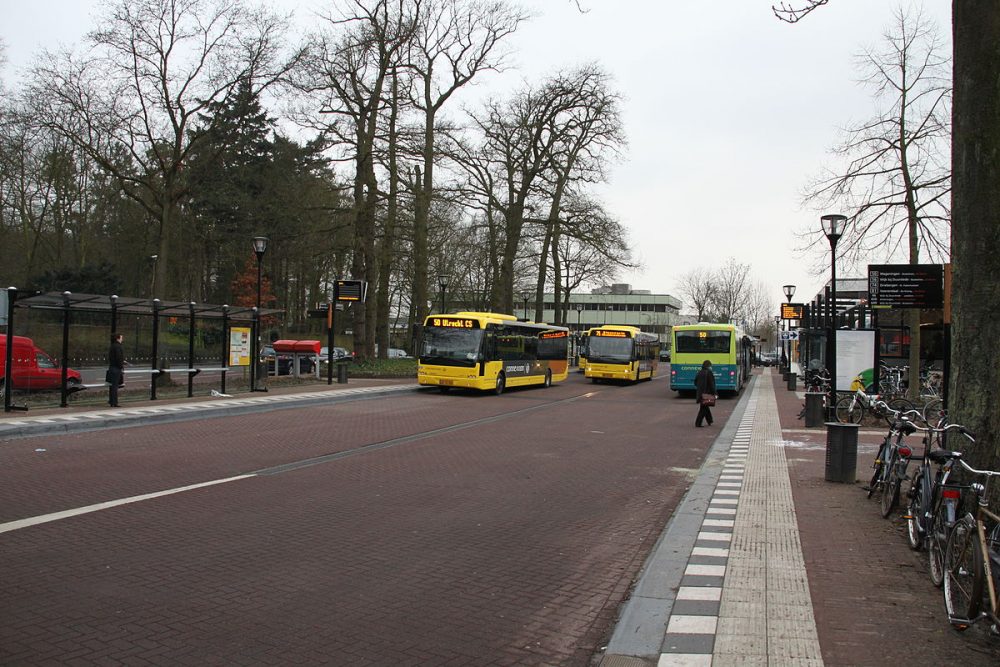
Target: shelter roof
[[136, 306]]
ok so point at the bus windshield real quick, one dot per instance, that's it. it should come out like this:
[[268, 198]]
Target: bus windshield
[[451, 346], [609, 350], [702, 342]]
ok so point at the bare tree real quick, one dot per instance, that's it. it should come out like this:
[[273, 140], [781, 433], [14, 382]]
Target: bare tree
[[699, 289], [593, 131], [154, 67], [975, 248], [790, 13], [347, 70], [896, 186], [454, 41]]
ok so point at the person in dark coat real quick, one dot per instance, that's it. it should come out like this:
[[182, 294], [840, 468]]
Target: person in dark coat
[[116, 368], [704, 383]]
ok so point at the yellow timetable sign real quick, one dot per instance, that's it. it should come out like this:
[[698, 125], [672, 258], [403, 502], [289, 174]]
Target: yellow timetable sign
[[792, 311]]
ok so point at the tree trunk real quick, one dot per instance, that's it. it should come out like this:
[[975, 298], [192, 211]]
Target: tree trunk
[[975, 375]]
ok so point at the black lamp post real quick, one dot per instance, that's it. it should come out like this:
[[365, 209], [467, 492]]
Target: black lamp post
[[777, 338], [579, 330], [524, 295], [443, 286], [789, 291], [259, 248], [833, 228], [579, 313]]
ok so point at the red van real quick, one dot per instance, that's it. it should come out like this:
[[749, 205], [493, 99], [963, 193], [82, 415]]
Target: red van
[[33, 369]]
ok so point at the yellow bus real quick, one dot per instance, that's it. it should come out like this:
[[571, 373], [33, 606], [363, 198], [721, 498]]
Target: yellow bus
[[618, 352], [490, 352], [584, 338]]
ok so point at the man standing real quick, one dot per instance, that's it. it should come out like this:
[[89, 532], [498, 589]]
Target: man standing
[[116, 368]]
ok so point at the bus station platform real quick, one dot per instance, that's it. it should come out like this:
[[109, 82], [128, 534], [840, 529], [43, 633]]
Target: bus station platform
[[766, 563]]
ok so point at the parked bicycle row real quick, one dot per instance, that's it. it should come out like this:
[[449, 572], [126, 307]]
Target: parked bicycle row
[[855, 406], [946, 510]]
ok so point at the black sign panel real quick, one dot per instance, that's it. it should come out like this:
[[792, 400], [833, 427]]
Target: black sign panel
[[792, 311], [906, 285], [350, 290]]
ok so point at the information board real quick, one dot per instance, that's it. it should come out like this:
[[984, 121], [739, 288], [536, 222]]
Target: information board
[[239, 346], [793, 311], [350, 290], [906, 285]]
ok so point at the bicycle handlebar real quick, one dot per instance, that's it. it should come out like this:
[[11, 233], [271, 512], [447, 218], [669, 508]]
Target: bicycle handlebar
[[985, 473]]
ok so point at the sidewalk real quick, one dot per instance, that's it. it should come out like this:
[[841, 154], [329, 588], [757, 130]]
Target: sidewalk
[[89, 417], [766, 563]]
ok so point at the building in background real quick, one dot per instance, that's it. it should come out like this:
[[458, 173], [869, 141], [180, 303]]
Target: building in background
[[614, 304]]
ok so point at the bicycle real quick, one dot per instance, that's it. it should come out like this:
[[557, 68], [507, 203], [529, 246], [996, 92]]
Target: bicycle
[[972, 560], [931, 510], [851, 409], [889, 468]]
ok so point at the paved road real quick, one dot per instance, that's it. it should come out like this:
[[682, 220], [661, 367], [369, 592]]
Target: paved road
[[414, 529]]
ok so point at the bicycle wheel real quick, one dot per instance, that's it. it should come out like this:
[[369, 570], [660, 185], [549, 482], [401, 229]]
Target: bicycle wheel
[[937, 539], [898, 404], [963, 574], [913, 515], [848, 411], [890, 492], [878, 469], [932, 410]]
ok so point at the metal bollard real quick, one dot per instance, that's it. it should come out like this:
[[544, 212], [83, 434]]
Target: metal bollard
[[841, 452], [814, 409], [792, 380]]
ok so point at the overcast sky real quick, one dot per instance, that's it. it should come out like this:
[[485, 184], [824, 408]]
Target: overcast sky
[[728, 112]]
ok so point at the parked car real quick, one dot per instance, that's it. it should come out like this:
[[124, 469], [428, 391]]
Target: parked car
[[767, 359], [33, 369], [665, 354], [338, 354]]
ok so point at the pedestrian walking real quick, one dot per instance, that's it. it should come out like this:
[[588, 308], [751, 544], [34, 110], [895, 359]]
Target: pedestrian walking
[[704, 384], [116, 369]]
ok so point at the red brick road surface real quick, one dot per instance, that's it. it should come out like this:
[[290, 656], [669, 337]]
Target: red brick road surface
[[511, 541], [873, 600]]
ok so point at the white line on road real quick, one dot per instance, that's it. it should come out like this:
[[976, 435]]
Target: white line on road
[[65, 514]]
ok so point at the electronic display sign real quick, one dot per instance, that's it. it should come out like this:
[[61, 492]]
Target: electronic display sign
[[906, 285]]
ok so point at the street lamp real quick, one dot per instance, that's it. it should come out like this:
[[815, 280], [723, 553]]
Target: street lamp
[[524, 295], [579, 312], [777, 341], [833, 228], [443, 286], [789, 291], [259, 248]]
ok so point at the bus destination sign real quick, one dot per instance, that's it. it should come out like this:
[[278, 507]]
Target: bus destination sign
[[906, 285], [793, 311], [456, 322], [554, 334], [604, 333]]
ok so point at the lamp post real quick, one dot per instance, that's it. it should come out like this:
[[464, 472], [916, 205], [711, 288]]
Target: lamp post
[[579, 331], [259, 248], [777, 341], [833, 228], [443, 279], [524, 295], [789, 291]]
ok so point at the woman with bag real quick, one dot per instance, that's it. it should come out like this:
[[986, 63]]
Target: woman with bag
[[704, 384]]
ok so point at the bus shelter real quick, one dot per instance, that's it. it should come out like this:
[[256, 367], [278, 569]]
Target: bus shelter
[[107, 312]]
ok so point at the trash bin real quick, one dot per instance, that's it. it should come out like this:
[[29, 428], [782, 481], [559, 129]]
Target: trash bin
[[814, 409], [841, 452], [793, 378], [341, 372]]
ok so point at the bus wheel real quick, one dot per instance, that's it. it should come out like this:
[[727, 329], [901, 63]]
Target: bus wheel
[[548, 379], [501, 384]]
